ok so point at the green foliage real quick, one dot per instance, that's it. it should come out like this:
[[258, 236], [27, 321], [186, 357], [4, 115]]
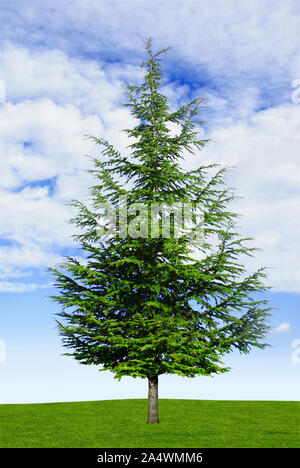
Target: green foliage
[[142, 307]]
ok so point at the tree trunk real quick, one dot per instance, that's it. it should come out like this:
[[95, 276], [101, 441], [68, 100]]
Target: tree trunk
[[153, 399]]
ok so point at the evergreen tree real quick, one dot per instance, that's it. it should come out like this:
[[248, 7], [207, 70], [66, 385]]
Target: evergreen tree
[[144, 305]]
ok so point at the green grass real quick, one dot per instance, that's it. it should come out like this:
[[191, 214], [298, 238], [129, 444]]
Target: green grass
[[122, 423]]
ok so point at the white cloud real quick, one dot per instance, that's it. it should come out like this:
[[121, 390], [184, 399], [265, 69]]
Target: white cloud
[[282, 328], [33, 221], [258, 39], [6, 286], [31, 74], [54, 135], [42, 143], [264, 149]]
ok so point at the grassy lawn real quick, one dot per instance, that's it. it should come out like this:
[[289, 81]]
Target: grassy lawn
[[122, 423]]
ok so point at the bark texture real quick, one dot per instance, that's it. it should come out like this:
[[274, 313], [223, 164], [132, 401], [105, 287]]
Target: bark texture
[[153, 400]]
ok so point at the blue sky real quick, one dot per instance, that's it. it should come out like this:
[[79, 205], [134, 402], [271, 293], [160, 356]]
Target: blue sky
[[62, 65]]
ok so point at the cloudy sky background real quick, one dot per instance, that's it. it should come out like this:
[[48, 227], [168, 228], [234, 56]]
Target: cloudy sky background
[[63, 64]]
